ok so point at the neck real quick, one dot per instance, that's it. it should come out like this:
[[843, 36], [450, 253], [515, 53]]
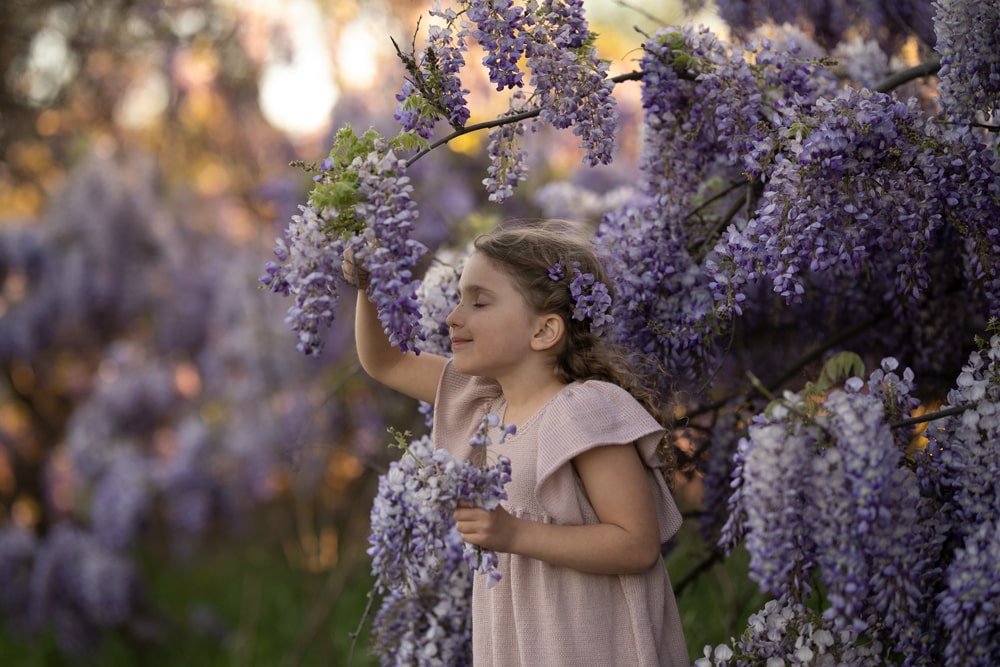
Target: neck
[[526, 393]]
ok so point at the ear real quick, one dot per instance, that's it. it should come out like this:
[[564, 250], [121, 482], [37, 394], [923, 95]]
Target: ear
[[549, 331]]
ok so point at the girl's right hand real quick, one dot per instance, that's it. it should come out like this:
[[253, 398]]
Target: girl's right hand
[[353, 274]]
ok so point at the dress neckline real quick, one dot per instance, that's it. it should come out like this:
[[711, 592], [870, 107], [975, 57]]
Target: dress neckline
[[499, 408]]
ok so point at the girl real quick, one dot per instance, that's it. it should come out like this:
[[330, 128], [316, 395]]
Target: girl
[[588, 508]]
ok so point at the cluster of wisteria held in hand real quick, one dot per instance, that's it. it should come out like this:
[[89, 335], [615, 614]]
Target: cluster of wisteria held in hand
[[825, 492], [421, 565]]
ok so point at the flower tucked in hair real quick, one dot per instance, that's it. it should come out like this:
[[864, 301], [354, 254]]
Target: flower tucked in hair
[[590, 296], [557, 271]]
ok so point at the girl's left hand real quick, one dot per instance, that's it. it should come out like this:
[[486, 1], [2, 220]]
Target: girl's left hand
[[489, 529]]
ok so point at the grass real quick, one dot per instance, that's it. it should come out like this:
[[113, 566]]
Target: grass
[[241, 607], [246, 606]]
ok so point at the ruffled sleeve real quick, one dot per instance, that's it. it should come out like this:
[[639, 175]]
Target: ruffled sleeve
[[459, 405], [593, 414]]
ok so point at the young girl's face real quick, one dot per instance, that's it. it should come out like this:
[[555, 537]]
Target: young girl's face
[[492, 325]]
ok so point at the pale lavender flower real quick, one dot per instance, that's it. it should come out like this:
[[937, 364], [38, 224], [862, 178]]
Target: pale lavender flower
[[508, 160], [308, 270], [788, 633]]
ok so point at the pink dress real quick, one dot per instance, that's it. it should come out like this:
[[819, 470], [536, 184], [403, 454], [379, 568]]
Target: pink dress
[[540, 614]]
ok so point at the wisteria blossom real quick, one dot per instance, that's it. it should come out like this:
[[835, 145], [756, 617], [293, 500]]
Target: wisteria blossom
[[970, 62], [421, 565], [373, 223], [788, 633]]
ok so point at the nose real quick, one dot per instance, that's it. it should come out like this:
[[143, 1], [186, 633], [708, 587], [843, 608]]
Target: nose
[[452, 319]]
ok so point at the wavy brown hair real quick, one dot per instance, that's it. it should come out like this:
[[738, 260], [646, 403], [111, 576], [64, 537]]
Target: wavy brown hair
[[526, 251]]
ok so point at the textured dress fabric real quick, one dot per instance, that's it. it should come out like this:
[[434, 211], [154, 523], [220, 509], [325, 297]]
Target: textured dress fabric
[[541, 614]]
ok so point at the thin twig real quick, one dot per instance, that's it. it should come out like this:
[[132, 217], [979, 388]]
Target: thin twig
[[361, 624], [698, 570], [832, 342], [931, 416], [971, 123], [905, 76], [641, 12]]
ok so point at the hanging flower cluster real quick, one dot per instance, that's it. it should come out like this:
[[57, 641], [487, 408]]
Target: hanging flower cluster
[[361, 206]]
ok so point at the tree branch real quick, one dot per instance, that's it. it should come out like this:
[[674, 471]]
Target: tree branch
[[720, 225], [932, 416], [905, 76], [799, 364], [716, 197], [524, 115]]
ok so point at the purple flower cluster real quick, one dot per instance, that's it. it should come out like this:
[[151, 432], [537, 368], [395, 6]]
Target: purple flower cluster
[[970, 61], [830, 494], [571, 83], [591, 300], [17, 555], [309, 262], [868, 504], [896, 393], [420, 563], [438, 296], [502, 29], [482, 438], [413, 532], [307, 270], [717, 469], [80, 587], [662, 298], [866, 188], [414, 113], [788, 633], [968, 607], [766, 507], [961, 464], [508, 161], [122, 500], [384, 249], [680, 148], [434, 88], [433, 625]]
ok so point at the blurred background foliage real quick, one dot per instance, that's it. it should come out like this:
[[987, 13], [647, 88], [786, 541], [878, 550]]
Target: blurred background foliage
[[149, 393]]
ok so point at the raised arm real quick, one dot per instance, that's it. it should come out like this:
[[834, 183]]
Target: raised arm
[[415, 375]]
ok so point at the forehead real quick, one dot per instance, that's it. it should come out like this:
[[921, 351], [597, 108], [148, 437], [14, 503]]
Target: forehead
[[481, 272]]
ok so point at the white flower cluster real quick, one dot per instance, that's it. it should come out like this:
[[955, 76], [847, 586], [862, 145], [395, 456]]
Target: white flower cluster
[[783, 634]]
